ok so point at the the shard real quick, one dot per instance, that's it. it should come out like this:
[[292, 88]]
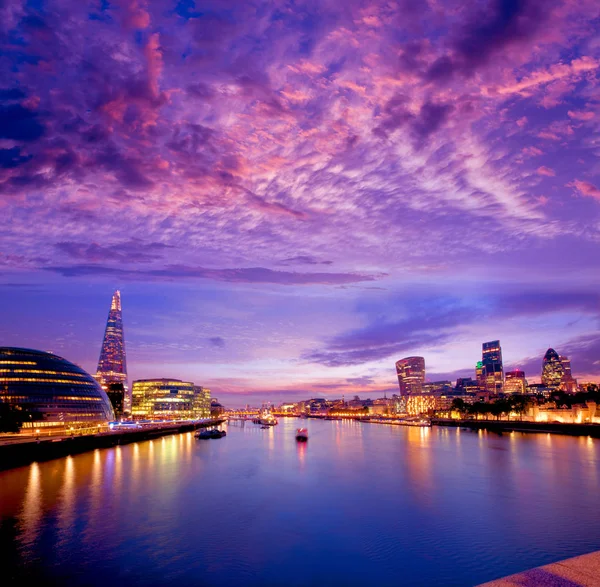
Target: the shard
[[112, 365]]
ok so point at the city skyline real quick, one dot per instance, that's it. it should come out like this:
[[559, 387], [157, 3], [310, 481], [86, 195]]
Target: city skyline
[[411, 373], [292, 200]]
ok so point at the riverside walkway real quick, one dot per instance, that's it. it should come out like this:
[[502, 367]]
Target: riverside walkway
[[580, 571], [500, 426], [17, 451]]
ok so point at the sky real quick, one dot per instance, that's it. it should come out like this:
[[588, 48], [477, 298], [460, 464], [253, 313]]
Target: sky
[[293, 195]]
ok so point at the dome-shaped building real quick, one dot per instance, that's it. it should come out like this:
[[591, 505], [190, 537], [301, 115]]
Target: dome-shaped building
[[54, 391]]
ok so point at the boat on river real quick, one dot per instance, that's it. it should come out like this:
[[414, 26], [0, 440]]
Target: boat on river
[[420, 422], [302, 435], [265, 418], [205, 434]]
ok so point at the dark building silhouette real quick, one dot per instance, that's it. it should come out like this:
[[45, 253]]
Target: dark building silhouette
[[116, 395]]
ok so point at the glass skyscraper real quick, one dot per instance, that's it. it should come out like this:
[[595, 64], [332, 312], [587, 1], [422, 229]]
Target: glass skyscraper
[[493, 369], [112, 364], [552, 369], [411, 375]]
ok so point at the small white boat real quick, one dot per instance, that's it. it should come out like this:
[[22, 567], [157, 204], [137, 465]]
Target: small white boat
[[302, 435]]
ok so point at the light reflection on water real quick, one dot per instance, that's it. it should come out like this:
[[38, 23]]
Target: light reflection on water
[[357, 504]]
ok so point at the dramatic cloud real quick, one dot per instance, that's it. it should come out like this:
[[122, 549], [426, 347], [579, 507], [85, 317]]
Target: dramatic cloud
[[337, 149], [431, 323]]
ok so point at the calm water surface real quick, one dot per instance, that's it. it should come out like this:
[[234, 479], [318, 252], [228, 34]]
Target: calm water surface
[[359, 504]]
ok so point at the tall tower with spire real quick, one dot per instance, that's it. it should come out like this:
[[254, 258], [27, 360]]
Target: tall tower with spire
[[112, 364]]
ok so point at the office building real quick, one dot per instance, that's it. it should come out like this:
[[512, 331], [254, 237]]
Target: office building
[[479, 376], [515, 382], [568, 383], [552, 369], [50, 389], [411, 375], [467, 385], [492, 368], [437, 387], [168, 399], [112, 364]]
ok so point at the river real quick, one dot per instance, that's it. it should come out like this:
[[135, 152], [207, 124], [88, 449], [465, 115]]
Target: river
[[358, 504]]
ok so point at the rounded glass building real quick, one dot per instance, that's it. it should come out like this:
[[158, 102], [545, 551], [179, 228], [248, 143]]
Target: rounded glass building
[[53, 391]]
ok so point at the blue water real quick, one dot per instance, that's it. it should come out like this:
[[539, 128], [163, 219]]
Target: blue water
[[358, 504]]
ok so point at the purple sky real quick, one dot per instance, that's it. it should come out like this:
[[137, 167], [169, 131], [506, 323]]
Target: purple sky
[[293, 195]]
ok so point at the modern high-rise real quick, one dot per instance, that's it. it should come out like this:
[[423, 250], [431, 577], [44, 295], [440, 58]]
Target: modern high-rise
[[479, 375], [411, 375], [112, 364], [566, 365], [493, 370], [552, 369], [568, 383], [515, 382]]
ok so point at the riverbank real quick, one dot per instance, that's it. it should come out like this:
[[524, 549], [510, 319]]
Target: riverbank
[[18, 454], [500, 426], [579, 571]]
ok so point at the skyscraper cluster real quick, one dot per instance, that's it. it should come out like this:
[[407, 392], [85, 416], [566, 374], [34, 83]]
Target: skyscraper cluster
[[490, 377]]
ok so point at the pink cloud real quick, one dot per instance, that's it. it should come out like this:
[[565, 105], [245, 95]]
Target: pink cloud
[[543, 170], [559, 71], [154, 58], [586, 189], [532, 151], [548, 135], [135, 14], [581, 115]]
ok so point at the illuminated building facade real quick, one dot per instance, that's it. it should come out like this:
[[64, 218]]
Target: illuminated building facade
[[552, 369], [568, 383], [417, 405], [411, 375], [55, 392], [493, 369], [515, 382], [169, 399], [479, 376], [112, 364], [203, 402]]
